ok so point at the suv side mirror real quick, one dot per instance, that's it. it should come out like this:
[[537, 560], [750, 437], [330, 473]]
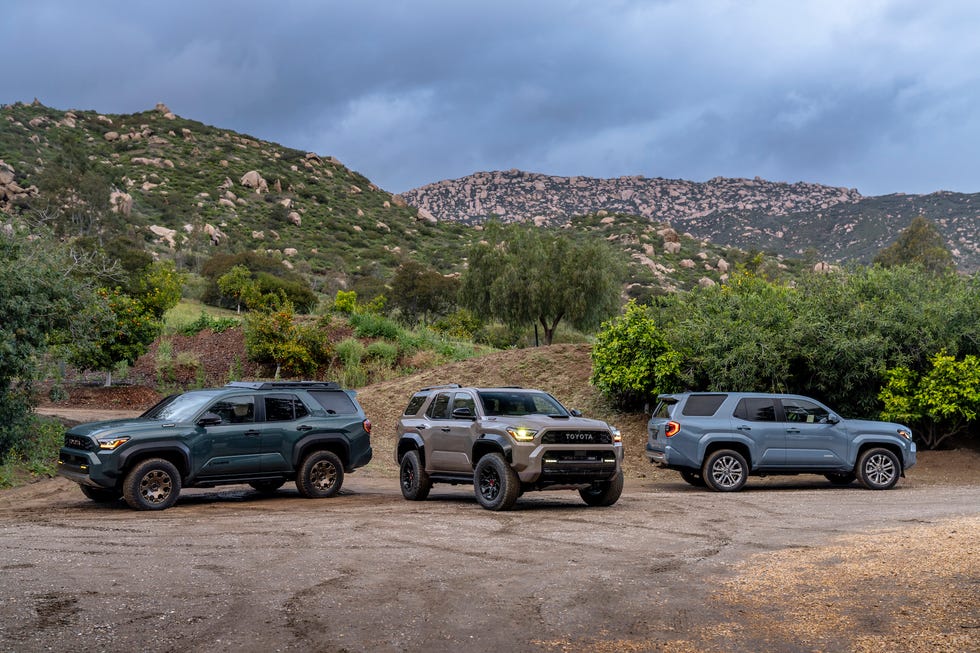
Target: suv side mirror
[[209, 419], [831, 419], [463, 412], [575, 412]]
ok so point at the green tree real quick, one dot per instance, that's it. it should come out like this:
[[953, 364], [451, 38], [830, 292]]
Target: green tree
[[125, 337], [632, 360], [158, 288], [520, 276], [422, 293], [736, 336], [277, 337], [237, 283], [42, 303], [941, 403], [919, 244]]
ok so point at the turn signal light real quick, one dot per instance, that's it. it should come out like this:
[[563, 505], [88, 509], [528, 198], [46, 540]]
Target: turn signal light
[[367, 426], [672, 429]]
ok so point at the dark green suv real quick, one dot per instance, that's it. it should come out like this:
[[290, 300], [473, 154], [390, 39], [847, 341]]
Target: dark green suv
[[263, 434]]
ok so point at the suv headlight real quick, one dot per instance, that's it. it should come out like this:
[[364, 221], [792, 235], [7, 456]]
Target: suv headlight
[[112, 443], [617, 436], [522, 434], [905, 434]]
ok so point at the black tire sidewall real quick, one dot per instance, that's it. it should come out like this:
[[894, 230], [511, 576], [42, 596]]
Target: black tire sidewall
[[607, 495], [131, 484], [862, 473], [304, 482], [509, 483], [420, 486], [709, 463]]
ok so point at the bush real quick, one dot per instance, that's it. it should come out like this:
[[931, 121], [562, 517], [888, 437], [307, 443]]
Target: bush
[[632, 360], [369, 325], [384, 353]]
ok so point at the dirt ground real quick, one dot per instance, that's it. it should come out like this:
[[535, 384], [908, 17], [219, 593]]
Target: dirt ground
[[789, 564]]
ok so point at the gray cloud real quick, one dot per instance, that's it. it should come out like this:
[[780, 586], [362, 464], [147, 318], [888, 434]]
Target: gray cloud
[[874, 94]]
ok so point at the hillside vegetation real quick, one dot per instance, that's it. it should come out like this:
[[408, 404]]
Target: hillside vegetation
[[183, 190]]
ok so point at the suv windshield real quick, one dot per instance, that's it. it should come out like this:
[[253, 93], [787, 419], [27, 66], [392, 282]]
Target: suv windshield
[[504, 402], [180, 408]]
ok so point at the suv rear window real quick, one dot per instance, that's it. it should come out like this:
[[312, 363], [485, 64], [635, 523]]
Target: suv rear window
[[336, 402], [703, 405]]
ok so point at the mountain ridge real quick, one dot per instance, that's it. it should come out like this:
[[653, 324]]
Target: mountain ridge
[[784, 218]]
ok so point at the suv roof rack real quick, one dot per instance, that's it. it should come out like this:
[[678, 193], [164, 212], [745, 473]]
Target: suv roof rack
[[440, 387], [274, 385]]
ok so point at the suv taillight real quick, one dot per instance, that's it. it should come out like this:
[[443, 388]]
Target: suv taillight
[[671, 429], [367, 426]]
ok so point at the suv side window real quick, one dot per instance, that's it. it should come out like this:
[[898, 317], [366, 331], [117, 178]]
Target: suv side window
[[284, 408], [335, 402], [801, 410], [703, 405], [756, 409], [439, 408], [415, 403], [235, 410]]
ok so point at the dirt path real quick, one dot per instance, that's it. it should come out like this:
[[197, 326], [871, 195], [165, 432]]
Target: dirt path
[[789, 565]]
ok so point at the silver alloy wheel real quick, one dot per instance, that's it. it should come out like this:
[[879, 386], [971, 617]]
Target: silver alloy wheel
[[879, 469], [323, 475], [156, 486], [727, 471]]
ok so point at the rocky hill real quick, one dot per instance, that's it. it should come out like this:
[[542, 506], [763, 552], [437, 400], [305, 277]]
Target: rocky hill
[[187, 190], [790, 219]]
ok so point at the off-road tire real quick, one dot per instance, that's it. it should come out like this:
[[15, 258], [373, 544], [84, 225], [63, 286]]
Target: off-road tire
[[693, 478], [605, 493], [878, 469], [725, 470], [153, 484], [267, 487], [414, 481], [495, 484], [321, 474], [101, 494], [842, 478]]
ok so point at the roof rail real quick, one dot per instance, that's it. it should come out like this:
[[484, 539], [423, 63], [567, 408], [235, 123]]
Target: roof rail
[[277, 385], [440, 387]]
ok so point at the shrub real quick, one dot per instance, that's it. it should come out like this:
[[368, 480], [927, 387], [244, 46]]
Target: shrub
[[632, 360], [369, 325], [385, 353]]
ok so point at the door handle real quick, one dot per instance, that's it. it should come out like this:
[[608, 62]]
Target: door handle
[[445, 429], [251, 432], [304, 427], [744, 428], [792, 430]]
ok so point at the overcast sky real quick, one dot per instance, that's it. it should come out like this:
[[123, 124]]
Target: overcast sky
[[879, 95]]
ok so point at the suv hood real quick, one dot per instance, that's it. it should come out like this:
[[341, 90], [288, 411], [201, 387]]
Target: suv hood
[[130, 426], [871, 426]]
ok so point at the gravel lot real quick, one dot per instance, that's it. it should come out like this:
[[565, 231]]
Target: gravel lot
[[790, 564]]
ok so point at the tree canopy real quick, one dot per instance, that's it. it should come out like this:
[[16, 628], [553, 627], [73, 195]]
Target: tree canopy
[[919, 244], [520, 276]]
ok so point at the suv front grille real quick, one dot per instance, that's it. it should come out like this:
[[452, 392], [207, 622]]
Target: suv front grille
[[593, 464], [79, 442], [576, 437]]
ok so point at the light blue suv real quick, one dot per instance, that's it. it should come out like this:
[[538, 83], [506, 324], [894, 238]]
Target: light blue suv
[[719, 439]]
